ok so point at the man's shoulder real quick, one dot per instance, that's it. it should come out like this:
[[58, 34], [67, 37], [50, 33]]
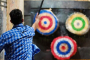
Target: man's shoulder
[[30, 28], [9, 32]]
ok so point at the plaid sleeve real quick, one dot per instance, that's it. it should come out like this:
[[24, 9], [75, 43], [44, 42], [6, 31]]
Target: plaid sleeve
[[35, 49], [32, 31], [2, 43]]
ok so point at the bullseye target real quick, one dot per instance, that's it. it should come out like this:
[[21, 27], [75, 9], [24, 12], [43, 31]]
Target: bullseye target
[[63, 47], [48, 22], [77, 23]]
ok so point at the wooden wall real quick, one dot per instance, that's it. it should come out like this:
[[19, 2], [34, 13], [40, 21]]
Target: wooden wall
[[62, 10]]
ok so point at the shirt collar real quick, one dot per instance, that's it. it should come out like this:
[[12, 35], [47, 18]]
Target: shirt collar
[[19, 25]]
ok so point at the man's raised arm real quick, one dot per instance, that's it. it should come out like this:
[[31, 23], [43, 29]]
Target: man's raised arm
[[35, 25]]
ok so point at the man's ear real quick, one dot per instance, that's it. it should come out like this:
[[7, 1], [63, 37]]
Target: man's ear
[[22, 20], [10, 21]]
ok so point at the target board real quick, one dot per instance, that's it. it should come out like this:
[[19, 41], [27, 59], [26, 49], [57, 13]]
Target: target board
[[77, 23], [63, 47], [48, 22]]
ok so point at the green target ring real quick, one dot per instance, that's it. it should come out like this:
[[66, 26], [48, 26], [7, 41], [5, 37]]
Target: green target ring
[[83, 23], [77, 23]]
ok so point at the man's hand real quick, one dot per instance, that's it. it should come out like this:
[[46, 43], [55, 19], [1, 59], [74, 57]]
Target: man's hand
[[37, 19]]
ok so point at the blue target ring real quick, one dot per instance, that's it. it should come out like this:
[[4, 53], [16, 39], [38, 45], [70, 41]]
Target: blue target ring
[[60, 52], [45, 22]]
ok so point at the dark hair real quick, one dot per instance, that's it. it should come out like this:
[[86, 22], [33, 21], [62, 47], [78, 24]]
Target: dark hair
[[16, 16]]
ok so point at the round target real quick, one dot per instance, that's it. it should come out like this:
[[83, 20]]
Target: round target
[[63, 47], [77, 23], [48, 22]]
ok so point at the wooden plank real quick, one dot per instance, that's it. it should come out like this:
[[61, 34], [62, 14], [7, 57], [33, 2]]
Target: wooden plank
[[13, 4], [57, 4]]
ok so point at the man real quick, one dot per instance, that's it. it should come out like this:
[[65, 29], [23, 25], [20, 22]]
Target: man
[[17, 42]]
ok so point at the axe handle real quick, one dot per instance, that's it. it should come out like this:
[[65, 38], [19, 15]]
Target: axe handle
[[40, 6]]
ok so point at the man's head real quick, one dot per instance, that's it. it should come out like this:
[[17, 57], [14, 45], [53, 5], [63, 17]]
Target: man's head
[[16, 16]]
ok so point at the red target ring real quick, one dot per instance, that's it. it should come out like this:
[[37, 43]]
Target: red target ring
[[49, 19]]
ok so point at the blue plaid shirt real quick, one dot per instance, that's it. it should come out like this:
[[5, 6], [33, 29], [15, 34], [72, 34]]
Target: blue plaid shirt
[[17, 43]]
